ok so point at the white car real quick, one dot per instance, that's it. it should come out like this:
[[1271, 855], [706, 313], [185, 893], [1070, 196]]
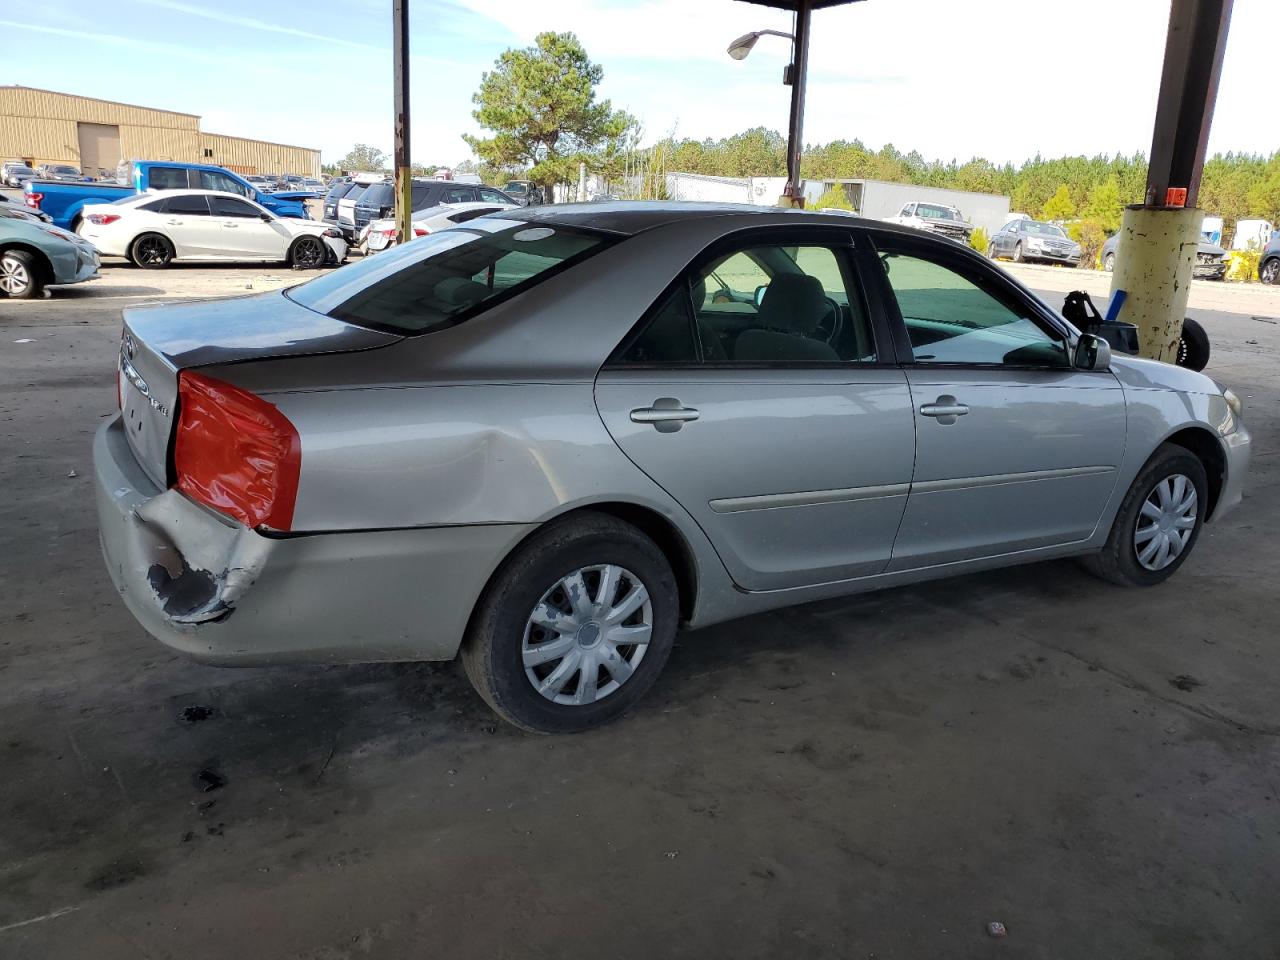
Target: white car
[[154, 229], [382, 234]]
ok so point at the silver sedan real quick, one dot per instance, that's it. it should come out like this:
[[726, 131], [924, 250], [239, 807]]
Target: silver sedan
[[547, 438]]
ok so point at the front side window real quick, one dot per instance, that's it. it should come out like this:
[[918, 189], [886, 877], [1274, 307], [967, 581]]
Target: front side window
[[230, 207], [953, 318], [167, 178], [213, 180], [764, 305], [458, 195], [434, 281]]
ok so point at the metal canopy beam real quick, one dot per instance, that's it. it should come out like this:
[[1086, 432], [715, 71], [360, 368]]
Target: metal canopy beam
[[1184, 109]]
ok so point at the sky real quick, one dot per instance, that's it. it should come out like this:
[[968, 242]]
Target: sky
[[1000, 79]]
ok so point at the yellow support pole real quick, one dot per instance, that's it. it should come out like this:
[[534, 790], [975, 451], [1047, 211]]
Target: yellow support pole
[[1153, 266]]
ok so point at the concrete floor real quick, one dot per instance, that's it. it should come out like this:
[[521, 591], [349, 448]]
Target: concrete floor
[[1098, 769]]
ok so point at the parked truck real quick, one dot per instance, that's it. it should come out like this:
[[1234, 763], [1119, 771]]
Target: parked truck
[[64, 201]]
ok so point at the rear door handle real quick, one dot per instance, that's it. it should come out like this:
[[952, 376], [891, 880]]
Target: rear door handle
[[233, 225], [174, 223], [667, 414], [945, 409]]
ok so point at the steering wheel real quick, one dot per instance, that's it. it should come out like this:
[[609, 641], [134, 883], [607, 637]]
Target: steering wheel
[[832, 323]]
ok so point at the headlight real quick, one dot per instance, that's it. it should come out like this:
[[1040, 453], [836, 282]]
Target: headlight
[[1234, 402]]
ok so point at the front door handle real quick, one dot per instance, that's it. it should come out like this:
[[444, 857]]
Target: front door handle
[[667, 414], [174, 223], [945, 409], [231, 225]]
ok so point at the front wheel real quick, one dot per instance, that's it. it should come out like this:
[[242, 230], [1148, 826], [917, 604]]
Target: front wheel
[[574, 627], [20, 275], [1109, 262], [1269, 272], [991, 251], [307, 253], [1158, 523], [1017, 253]]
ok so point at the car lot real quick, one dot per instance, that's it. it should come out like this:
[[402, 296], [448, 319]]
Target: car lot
[[884, 775]]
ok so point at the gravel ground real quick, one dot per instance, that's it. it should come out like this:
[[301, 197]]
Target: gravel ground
[[1098, 769]]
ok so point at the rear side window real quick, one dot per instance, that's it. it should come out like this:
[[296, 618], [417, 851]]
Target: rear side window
[[436, 281], [357, 191], [192, 205], [229, 207], [167, 178], [338, 191], [422, 195]]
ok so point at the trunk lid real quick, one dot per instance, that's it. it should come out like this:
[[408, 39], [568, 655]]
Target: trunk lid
[[159, 341]]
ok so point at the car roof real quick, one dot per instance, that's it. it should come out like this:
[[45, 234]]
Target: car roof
[[629, 217], [191, 191]]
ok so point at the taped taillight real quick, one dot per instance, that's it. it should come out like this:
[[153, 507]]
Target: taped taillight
[[236, 453], [33, 199]]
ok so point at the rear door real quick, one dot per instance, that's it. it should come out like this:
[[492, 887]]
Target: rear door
[[755, 392], [1015, 449], [245, 234], [188, 224]]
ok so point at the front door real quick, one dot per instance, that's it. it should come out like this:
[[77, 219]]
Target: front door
[[1015, 449], [755, 395], [245, 234]]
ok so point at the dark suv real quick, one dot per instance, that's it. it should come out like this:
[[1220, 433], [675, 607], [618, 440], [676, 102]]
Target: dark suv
[[1269, 262], [379, 201]]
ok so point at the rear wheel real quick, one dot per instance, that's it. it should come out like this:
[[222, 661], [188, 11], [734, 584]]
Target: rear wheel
[[21, 275], [1158, 523], [151, 251], [1193, 346], [307, 253], [1269, 272], [575, 626]]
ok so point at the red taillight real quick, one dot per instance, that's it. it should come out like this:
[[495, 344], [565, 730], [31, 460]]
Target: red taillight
[[102, 219], [33, 200], [420, 231], [236, 453]]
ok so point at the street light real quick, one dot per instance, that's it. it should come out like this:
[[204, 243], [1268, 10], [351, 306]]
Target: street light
[[794, 76], [742, 46]]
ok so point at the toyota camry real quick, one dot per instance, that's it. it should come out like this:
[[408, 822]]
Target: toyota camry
[[547, 438]]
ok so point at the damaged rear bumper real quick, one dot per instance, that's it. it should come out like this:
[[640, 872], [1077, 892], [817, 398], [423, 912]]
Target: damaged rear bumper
[[222, 593]]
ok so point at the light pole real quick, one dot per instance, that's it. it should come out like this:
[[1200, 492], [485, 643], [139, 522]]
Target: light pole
[[795, 75]]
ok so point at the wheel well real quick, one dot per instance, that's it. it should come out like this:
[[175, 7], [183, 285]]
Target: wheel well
[[669, 540], [1208, 451], [46, 268]]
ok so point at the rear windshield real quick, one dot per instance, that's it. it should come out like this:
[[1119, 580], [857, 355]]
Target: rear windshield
[[380, 194], [436, 281], [357, 190], [338, 191]]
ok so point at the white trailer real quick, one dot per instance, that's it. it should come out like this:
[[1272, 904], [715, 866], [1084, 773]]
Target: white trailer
[[880, 199]]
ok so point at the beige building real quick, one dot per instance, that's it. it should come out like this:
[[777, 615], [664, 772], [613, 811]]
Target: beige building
[[41, 126]]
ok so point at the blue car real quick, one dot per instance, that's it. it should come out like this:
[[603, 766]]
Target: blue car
[[64, 201]]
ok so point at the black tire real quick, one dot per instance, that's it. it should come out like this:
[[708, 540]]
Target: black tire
[[492, 651], [1269, 271], [1193, 346], [1118, 560], [308, 253], [1109, 262], [1017, 253], [991, 251], [151, 251], [22, 275]]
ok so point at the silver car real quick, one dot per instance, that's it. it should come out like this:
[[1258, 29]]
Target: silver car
[[547, 438]]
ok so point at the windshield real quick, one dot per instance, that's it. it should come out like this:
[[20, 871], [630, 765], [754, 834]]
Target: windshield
[[1042, 229], [432, 282], [516, 189], [936, 212], [65, 170]]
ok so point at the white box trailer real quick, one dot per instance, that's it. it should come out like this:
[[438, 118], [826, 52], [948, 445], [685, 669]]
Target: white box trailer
[[880, 199]]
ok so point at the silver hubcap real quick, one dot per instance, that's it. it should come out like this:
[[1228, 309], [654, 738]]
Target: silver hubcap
[[1166, 522], [14, 277], [588, 633]]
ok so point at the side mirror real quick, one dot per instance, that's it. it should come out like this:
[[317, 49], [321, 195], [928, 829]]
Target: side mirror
[[1092, 353], [759, 297], [265, 217]]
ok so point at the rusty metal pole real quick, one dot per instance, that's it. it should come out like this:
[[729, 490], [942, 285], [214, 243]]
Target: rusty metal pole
[[404, 174], [1159, 238], [793, 193]]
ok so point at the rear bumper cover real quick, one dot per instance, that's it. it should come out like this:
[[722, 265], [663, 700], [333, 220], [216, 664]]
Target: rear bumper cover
[[222, 593]]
